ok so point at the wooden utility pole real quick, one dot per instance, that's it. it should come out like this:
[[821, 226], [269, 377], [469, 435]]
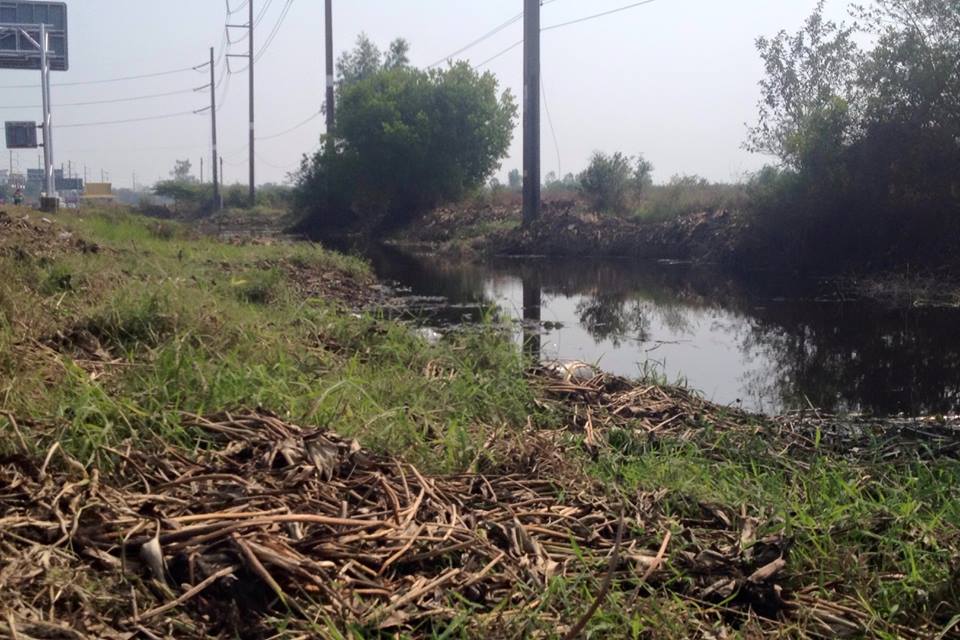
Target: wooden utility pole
[[331, 111], [213, 116], [531, 112]]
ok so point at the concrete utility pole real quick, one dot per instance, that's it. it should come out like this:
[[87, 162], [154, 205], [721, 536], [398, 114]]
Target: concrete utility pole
[[331, 111], [213, 116], [531, 112], [250, 56], [253, 184]]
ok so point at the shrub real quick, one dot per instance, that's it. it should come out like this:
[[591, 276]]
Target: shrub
[[407, 140]]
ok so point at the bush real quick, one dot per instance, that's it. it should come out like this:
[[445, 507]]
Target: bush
[[611, 183], [407, 140]]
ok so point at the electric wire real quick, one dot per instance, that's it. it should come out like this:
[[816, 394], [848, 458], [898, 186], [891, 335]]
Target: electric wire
[[111, 101], [167, 116], [486, 36], [597, 15], [482, 38], [293, 128], [263, 13], [275, 31], [498, 55], [562, 24], [237, 9], [553, 131], [106, 80]]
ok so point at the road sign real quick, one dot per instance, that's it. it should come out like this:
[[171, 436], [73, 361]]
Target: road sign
[[20, 23], [21, 135]]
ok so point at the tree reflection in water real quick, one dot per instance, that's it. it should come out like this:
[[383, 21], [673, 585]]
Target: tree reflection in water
[[790, 348]]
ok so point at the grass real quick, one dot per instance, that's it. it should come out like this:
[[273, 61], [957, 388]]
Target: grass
[[162, 321], [203, 327]]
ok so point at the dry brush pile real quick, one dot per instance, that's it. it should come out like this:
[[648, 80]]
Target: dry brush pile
[[271, 520]]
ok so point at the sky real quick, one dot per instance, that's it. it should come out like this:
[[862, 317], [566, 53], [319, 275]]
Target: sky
[[675, 80]]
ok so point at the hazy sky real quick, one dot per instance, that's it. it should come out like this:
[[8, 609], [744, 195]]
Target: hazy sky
[[676, 79]]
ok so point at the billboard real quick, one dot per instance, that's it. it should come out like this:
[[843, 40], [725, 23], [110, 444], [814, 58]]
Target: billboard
[[21, 135], [19, 16]]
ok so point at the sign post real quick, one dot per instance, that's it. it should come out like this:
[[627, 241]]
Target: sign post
[[33, 35]]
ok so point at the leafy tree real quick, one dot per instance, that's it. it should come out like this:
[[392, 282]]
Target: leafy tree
[[642, 173], [184, 193], [607, 181], [182, 171], [807, 73], [366, 59], [515, 180], [407, 140], [867, 141]]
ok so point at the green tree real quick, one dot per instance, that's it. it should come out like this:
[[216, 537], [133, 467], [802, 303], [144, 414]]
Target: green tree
[[807, 73], [182, 171], [515, 180], [642, 173], [407, 140], [366, 59], [607, 181]]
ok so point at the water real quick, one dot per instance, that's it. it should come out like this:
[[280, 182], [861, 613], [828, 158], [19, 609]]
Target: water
[[767, 347]]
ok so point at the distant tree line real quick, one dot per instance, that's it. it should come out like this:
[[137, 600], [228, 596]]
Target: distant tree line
[[190, 197]]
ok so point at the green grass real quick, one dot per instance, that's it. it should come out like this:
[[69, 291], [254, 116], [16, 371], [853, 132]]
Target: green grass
[[884, 535], [203, 327]]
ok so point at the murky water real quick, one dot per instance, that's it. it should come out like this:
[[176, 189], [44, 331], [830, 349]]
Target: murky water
[[766, 347]]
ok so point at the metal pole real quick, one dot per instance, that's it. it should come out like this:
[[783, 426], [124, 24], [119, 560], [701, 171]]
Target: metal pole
[[531, 112], [253, 187], [50, 183], [331, 107], [213, 116]]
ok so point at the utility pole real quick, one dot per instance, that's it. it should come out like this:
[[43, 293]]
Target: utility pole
[[331, 110], [253, 167], [201, 169], [531, 112], [249, 56], [213, 116]]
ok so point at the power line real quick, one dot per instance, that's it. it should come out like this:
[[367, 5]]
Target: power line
[[263, 13], [237, 9], [128, 120], [111, 101], [597, 15], [274, 32], [563, 24], [293, 128], [553, 131], [502, 53], [107, 80], [486, 36]]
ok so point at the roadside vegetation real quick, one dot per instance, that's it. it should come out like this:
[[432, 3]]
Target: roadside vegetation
[[407, 140], [152, 381]]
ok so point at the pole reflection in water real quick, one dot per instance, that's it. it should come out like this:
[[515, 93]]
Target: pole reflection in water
[[532, 304]]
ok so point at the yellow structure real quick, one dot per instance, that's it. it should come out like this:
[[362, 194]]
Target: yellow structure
[[98, 191]]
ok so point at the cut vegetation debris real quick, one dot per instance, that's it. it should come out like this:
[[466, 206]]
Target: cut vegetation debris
[[169, 469]]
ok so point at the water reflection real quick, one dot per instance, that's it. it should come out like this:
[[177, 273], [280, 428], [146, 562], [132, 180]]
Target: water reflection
[[769, 346], [532, 308]]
